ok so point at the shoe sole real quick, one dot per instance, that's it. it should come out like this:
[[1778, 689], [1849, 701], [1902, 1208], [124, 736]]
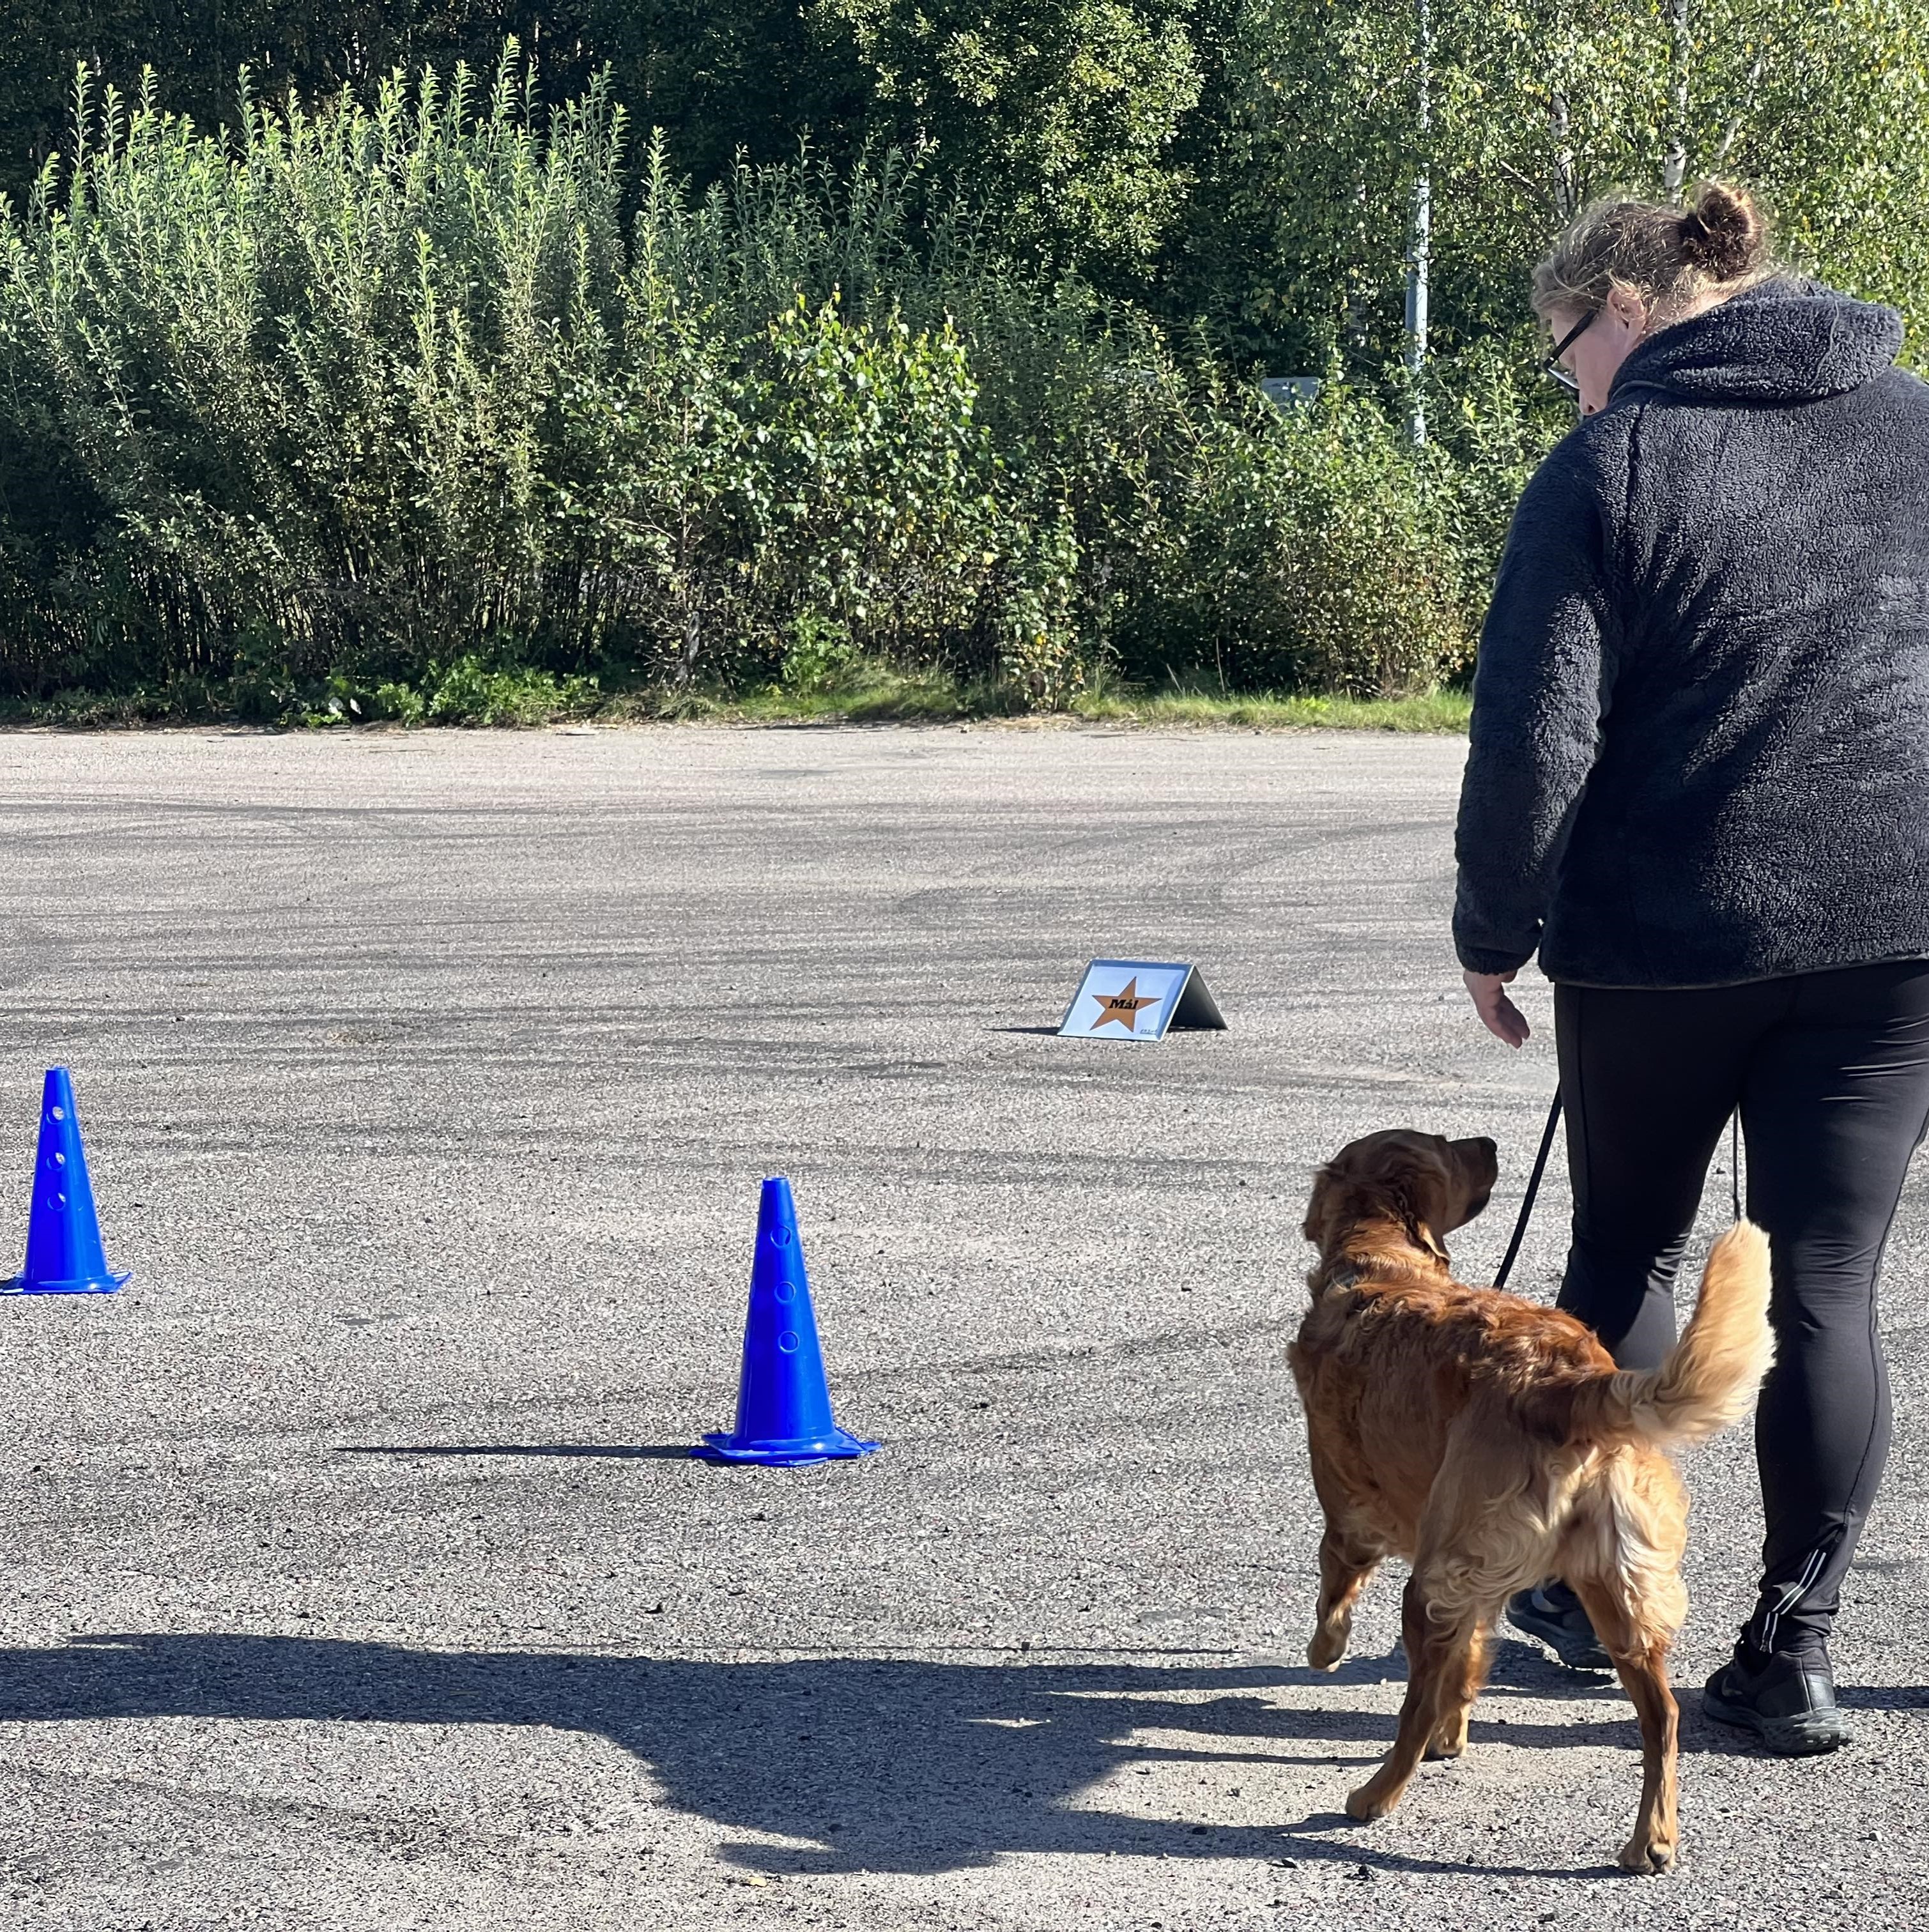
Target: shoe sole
[[1812, 1736]]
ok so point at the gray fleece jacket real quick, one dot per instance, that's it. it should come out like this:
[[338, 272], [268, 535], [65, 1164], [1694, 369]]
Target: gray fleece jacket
[[1700, 739]]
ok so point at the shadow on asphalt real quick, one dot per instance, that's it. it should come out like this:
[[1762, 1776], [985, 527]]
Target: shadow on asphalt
[[651, 1452], [1882, 1697], [884, 1765]]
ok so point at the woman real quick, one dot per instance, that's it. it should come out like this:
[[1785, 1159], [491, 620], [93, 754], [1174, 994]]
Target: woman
[[1698, 787]]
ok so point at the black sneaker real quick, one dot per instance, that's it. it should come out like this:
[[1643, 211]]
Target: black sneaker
[[1787, 1700], [1553, 1613]]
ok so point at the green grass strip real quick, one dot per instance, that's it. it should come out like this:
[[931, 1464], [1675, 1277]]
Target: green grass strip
[[1437, 711], [465, 694]]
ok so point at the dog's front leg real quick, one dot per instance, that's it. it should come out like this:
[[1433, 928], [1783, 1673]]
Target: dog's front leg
[[1434, 1663], [1346, 1560]]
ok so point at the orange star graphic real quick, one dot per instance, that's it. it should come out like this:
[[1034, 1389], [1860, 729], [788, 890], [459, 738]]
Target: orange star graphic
[[1123, 1007]]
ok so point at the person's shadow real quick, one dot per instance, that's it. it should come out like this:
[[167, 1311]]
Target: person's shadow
[[881, 1765]]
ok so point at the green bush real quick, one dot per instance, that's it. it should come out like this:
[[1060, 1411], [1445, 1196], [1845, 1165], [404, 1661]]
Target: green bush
[[1310, 552], [383, 411]]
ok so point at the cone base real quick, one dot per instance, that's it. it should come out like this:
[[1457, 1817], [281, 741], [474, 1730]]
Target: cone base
[[782, 1453], [98, 1284]]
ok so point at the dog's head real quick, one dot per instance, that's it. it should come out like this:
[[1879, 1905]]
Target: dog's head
[[1429, 1184]]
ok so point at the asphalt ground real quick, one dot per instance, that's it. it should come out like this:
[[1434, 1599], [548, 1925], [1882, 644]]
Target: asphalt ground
[[356, 1575]]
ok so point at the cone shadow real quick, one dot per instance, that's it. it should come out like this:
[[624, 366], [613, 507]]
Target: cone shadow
[[638, 1452]]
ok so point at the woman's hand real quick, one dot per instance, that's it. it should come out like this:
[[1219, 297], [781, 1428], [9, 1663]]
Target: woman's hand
[[1498, 1014]]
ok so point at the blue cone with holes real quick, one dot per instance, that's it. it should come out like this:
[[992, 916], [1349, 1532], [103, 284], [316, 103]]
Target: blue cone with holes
[[783, 1397], [63, 1255]]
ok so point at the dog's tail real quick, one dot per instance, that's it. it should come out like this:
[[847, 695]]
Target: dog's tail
[[1709, 1379]]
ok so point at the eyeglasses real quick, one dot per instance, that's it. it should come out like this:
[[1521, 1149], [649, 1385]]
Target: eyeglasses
[[1552, 365]]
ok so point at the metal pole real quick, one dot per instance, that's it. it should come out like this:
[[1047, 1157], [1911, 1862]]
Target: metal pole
[[1420, 259]]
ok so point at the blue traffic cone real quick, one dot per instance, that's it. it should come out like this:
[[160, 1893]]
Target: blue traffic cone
[[64, 1254], [783, 1399]]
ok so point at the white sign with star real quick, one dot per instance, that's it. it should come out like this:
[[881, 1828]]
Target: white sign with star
[[1138, 999]]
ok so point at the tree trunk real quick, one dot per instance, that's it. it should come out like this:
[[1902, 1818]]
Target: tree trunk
[[1674, 173], [1566, 198], [1741, 113]]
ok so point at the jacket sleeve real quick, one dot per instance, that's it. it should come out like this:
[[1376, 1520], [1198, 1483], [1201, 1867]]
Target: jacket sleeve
[[1541, 689]]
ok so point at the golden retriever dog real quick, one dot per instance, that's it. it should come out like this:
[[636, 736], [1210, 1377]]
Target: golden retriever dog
[[1493, 1444]]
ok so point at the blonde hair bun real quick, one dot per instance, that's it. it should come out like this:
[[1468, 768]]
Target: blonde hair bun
[[1669, 258], [1723, 235]]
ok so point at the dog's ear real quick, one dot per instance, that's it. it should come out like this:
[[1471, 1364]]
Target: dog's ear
[[1424, 1236], [1314, 1226], [1413, 1210], [1423, 1186]]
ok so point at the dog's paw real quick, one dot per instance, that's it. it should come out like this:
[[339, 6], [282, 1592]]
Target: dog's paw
[[1326, 1649], [1365, 1803], [1646, 1855]]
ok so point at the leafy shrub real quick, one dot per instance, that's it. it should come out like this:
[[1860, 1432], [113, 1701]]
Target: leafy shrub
[[1308, 552], [470, 692], [378, 412]]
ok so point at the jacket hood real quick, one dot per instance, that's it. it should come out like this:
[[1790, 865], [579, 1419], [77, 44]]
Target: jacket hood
[[1788, 340]]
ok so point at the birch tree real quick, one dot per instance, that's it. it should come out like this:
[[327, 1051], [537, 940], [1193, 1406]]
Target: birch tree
[[1537, 106]]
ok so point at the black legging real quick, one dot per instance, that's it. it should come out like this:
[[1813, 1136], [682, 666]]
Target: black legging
[[1830, 1072]]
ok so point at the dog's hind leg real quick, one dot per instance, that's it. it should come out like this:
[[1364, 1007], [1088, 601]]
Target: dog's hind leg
[[1639, 1646], [1437, 1666], [1460, 1686], [1346, 1560]]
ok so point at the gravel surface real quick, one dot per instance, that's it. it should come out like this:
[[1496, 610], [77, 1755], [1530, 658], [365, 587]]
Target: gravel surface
[[358, 1577]]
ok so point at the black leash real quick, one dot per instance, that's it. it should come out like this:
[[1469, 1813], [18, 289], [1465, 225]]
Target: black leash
[[1541, 1167], [1533, 1188]]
